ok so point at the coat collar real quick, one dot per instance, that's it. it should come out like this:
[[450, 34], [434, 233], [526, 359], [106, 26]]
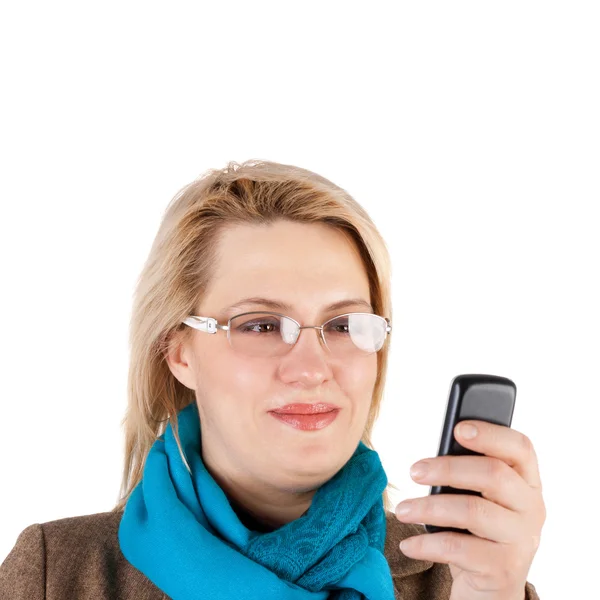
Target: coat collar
[[401, 565]]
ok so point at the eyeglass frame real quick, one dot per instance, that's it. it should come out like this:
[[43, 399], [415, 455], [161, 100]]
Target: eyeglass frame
[[211, 325]]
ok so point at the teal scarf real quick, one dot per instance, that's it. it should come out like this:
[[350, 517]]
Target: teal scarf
[[181, 531]]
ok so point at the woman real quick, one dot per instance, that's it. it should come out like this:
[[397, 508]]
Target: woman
[[259, 344]]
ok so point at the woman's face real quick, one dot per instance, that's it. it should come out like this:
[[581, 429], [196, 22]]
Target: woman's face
[[308, 267]]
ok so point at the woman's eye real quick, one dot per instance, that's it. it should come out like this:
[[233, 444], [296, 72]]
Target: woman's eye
[[267, 327], [338, 327]]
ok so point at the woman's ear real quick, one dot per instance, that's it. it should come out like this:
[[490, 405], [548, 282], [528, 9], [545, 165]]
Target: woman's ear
[[180, 356]]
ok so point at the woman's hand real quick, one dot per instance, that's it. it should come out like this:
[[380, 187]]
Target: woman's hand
[[493, 563]]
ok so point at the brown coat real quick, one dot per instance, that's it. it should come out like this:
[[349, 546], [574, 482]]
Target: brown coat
[[79, 558]]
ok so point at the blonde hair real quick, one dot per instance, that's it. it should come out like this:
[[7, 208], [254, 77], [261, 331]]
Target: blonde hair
[[179, 267]]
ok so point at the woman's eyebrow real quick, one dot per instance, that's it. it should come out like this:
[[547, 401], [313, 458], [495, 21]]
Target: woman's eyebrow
[[282, 306]]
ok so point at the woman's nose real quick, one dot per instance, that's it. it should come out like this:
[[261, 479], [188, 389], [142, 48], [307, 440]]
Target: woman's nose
[[308, 360]]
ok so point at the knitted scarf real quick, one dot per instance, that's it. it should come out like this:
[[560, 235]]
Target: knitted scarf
[[180, 530]]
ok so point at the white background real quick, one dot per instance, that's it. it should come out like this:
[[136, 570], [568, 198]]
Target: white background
[[469, 131]]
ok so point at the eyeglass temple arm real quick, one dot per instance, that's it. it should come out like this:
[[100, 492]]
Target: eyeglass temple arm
[[206, 324]]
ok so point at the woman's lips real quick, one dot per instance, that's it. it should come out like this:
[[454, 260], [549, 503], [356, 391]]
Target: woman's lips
[[308, 422], [306, 408]]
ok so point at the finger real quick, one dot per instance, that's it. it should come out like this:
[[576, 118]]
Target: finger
[[491, 476], [472, 554], [509, 445], [465, 511]]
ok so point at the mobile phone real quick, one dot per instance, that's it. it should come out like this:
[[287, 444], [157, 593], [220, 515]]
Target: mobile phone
[[480, 397]]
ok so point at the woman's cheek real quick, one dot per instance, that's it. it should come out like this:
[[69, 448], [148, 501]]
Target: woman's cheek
[[358, 379]]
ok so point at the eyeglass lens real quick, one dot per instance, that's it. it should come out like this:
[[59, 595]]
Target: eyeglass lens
[[266, 334]]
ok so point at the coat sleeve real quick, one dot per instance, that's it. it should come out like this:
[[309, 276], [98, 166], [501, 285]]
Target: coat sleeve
[[530, 593], [23, 572]]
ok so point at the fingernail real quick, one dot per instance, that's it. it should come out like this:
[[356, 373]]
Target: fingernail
[[467, 431], [403, 508], [419, 470]]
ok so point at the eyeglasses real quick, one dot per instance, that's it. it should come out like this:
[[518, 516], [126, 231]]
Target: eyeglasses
[[267, 334]]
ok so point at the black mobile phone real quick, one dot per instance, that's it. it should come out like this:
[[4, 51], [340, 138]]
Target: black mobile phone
[[480, 397]]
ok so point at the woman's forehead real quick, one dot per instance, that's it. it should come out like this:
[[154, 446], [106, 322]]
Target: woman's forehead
[[280, 244], [293, 263]]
